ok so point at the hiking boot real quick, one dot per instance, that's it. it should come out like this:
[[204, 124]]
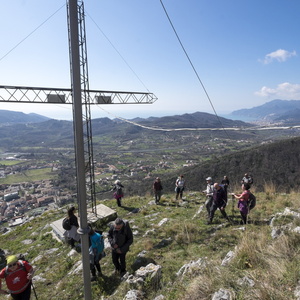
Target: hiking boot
[[117, 272], [93, 278], [208, 222], [122, 274]]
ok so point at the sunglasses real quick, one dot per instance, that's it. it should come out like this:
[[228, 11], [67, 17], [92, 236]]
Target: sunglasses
[[12, 265]]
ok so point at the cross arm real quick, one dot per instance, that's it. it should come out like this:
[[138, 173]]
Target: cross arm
[[64, 96]]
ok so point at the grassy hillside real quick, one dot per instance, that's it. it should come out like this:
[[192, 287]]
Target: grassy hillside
[[272, 264], [275, 164]]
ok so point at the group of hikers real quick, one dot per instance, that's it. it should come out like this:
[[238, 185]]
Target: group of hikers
[[216, 195], [18, 273], [119, 236]]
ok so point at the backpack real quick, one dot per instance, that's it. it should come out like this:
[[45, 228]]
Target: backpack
[[66, 224], [251, 201], [119, 190], [2, 259]]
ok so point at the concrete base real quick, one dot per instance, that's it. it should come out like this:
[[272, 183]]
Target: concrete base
[[103, 217]]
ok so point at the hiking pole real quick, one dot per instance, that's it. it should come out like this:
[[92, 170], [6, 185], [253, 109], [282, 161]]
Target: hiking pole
[[34, 290]]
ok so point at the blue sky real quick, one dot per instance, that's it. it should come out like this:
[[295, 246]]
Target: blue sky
[[246, 53]]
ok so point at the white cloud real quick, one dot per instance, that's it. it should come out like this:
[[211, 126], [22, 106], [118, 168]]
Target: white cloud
[[279, 55], [284, 91]]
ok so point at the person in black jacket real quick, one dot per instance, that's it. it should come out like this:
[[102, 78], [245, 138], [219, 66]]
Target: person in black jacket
[[118, 192], [219, 202], [72, 234], [120, 238]]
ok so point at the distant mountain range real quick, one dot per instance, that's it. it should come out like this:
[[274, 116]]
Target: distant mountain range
[[13, 117], [276, 111]]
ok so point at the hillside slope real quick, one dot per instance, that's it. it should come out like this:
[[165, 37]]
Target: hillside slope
[[190, 253], [270, 164]]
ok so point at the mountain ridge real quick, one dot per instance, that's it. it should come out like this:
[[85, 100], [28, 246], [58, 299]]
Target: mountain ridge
[[271, 111], [14, 117]]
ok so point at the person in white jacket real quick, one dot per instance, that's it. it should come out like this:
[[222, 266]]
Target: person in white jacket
[[209, 194]]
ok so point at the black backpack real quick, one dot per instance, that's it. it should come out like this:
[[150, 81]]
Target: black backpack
[[251, 201], [2, 259], [66, 224]]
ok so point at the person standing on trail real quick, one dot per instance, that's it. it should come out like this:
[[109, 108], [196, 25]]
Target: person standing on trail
[[225, 184], [219, 202], [157, 188], [209, 194], [118, 192], [243, 202], [120, 238], [72, 234], [179, 187], [95, 251], [247, 179], [18, 275]]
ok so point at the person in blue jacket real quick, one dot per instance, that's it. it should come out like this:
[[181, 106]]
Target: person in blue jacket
[[95, 251]]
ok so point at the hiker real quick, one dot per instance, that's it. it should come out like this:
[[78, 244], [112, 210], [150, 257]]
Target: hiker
[[157, 188], [209, 194], [225, 184], [95, 251], [243, 202], [118, 194], [179, 187], [120, 238], [72, 234], [219, 202], [18, 275], [247, 179]]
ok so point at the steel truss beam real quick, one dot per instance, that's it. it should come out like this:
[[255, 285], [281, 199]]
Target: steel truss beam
[[64, 96]]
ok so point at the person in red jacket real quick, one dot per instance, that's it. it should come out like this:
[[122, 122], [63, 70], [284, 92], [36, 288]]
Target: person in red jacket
[[17, 275]]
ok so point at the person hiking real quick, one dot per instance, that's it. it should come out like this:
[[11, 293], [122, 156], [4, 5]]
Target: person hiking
[[120, 238], [18, 275], [219, 202], [225, 184], [179, 187], [209, 194], [95, 252], [118, 194], [157, 188], [247, 179], [243, 202], [72, 234]]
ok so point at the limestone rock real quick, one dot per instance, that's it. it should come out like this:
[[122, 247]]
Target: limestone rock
[[222, 294]]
